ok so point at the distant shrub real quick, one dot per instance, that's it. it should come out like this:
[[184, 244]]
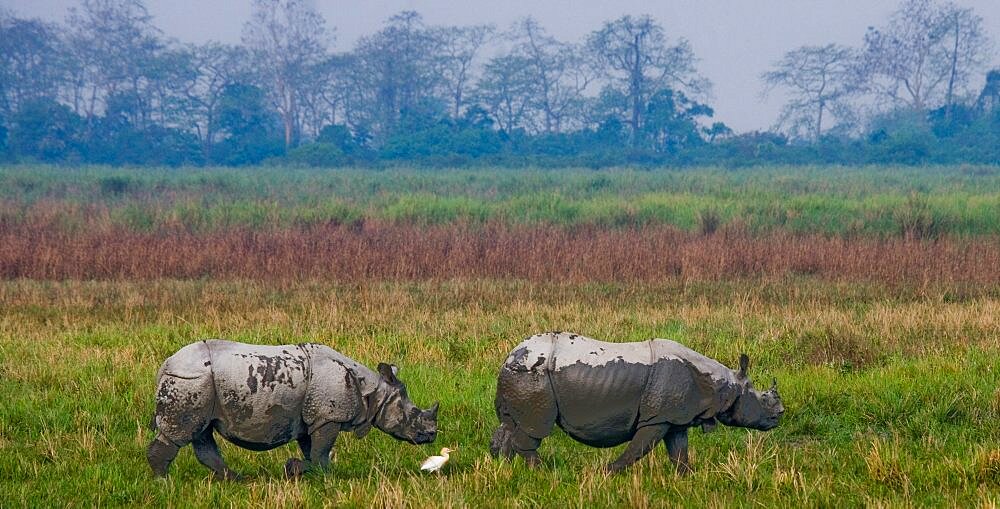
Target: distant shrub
[[317, 155], [709, 221], [115, 185]]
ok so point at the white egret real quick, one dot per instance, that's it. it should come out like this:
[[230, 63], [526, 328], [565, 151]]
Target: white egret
[[434, 463]]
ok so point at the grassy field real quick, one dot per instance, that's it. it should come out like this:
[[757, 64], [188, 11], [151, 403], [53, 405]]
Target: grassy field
[[928, 201], [886, 347]]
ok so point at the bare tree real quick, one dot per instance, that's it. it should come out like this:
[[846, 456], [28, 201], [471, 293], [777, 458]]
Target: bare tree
[[924, 54], [458, 48], [816, 78], [966, 48], [30, 54], [215, 66], [113, 46], [286, 38], [636, 57], [505, 91], [559, 70], [397, 65]]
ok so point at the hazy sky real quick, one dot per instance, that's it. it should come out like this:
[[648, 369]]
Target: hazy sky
[[735, 40]]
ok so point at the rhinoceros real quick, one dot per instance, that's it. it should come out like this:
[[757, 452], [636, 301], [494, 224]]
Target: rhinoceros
[[261, 397], [605, 394]]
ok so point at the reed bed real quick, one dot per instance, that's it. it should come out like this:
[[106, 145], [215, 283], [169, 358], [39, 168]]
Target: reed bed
[[372, 250]]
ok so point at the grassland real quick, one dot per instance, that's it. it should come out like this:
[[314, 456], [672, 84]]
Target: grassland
[[885, 344], [928, 201]]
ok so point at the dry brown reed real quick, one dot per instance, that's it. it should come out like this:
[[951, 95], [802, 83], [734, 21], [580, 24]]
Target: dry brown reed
[[386, 251]]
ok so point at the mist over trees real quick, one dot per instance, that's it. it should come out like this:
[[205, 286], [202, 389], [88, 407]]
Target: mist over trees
[[108, 87]]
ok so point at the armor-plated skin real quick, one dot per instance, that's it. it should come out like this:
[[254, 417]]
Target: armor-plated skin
[[261, 397], [605, 394]]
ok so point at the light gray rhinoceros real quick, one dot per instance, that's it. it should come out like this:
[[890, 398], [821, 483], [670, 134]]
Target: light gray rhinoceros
[[606, 394], [261, 397]]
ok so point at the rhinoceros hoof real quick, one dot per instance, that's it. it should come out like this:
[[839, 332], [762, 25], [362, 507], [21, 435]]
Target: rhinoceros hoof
[[294, 468], [227, 475], [613, 468]]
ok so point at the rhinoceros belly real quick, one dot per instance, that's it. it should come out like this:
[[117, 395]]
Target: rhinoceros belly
[[598, 387], [260, 390]]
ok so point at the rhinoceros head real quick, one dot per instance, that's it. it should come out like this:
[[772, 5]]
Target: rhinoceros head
[[398, 416], [752, 408]]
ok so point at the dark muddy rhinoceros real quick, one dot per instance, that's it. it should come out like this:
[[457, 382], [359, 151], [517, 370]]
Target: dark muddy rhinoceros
[[606, 394], [261, 397]]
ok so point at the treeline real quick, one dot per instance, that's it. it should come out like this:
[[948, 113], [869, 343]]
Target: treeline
[[108, 87]]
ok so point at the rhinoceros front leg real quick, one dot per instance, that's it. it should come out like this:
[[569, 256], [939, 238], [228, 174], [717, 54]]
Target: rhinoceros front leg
[[207, 452], [677, 446], [320, 443], [645, 440]]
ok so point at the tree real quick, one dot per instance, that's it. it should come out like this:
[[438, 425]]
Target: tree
[[114, 48], [966, 48], [458, 48], [989, 97], [671, 121], [924, 54], [30, 53], [397, 67], [251, 126], [816, 78], [560, 72], [215, 66], [45, 130], [285, 38], [637, 59], [505, 91]]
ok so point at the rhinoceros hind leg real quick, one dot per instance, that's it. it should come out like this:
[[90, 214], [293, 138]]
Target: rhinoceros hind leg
[[677, 446], [645, 440], [207, 452], [160, 454], [527, 446]]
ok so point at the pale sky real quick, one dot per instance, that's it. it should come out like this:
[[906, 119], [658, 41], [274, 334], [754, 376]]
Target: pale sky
[[735, 40]]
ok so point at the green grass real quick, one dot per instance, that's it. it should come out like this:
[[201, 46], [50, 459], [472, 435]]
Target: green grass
[[891, 400], [957, 200]]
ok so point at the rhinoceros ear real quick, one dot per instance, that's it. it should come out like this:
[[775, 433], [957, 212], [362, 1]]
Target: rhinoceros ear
[[388, 372], [432, 412], [744, 365]]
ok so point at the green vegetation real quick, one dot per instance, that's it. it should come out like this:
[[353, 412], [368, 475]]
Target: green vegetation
[[890, 401], [926, 201]]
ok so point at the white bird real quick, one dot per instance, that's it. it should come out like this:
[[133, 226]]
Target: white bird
[[434, 463]]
